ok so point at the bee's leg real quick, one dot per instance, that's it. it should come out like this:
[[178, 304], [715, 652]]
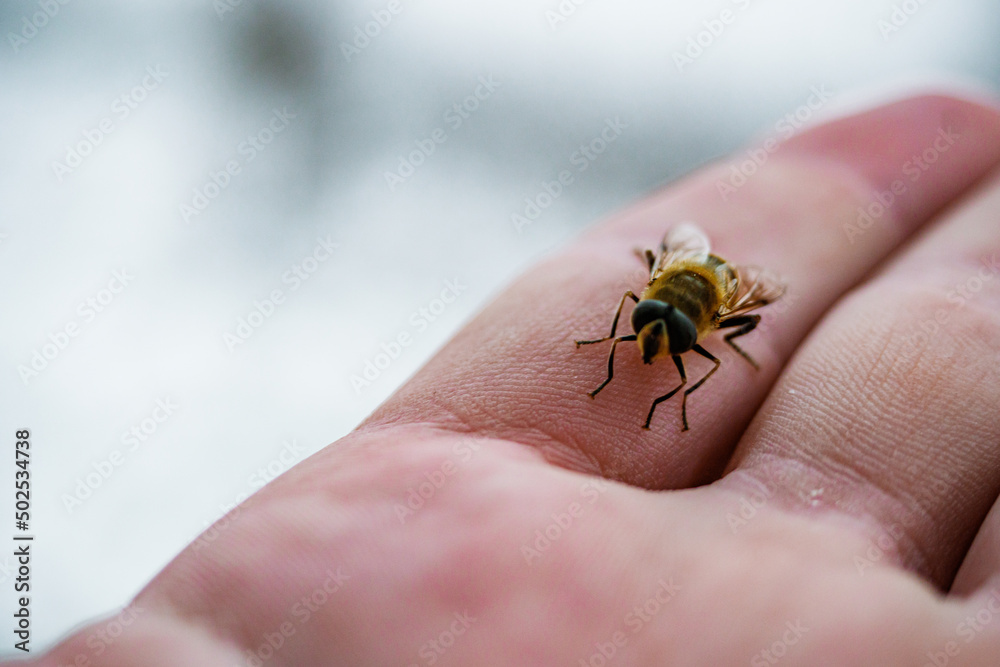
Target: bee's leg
[[746, 324], [611, 363], [708, 355], [647, 256], [614, 323], [684, 379]]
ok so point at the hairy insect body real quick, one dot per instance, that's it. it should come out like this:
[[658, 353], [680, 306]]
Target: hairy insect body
[[693, 289]]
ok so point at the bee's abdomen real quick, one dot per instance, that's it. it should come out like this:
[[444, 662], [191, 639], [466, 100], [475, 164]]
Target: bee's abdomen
[[691, 293]]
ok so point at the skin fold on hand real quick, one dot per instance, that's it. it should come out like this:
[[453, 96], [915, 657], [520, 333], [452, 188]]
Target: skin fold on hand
[[832, 508]]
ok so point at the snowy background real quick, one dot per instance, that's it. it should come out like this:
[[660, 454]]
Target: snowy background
[[214, 214]]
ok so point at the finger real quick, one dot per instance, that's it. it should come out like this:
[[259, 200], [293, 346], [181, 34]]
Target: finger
[[515, 373], [981, 564], [888, 411]]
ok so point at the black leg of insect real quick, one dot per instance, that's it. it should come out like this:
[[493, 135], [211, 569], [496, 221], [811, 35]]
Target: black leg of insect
[[746, 324], [690, 294], [649, 257], [614, 326], [611, 363], [708, 355], [669, 394], [680, 367]]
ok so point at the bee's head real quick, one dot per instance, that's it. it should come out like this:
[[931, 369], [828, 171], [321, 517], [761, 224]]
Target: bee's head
[[662, 330]]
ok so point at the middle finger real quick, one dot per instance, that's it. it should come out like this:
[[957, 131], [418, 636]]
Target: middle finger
[[514, 373]]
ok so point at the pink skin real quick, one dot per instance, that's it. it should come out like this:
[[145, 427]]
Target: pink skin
[[840, 489]]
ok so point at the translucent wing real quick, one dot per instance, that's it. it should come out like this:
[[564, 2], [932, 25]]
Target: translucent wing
[[755, 287], [682, 241]]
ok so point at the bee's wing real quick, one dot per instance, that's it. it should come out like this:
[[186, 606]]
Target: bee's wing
[[755, 287], [682, 241]]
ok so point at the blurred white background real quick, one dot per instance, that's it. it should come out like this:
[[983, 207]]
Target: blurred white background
[[120, 119]]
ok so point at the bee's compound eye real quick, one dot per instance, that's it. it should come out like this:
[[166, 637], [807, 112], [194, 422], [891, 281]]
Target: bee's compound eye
[[648, 310], [681, 331]]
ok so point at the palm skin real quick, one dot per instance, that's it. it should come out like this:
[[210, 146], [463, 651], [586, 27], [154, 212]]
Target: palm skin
[[832, 508]]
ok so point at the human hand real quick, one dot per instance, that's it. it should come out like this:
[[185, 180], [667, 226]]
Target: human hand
[[491, 513]]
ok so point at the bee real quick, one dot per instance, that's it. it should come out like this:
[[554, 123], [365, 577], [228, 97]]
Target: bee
[[690, 294]]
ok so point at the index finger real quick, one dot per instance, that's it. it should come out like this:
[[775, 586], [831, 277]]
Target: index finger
[[823, 210]]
